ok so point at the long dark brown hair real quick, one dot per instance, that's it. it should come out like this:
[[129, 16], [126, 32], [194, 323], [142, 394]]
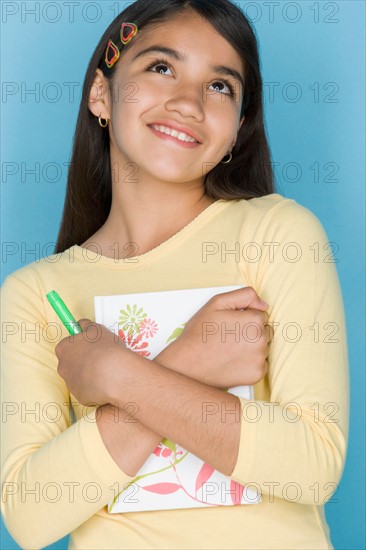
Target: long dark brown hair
[[249, 174]]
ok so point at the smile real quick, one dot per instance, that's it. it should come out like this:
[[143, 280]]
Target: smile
[[168, 133]]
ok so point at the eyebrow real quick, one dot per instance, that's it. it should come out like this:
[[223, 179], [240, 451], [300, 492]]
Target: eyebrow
[[180, 56]]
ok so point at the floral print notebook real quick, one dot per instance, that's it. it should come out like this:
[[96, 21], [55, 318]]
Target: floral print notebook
[[172, 477]]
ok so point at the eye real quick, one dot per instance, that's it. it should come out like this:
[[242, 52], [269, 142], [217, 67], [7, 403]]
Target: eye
[[159, 63], [218, 83]]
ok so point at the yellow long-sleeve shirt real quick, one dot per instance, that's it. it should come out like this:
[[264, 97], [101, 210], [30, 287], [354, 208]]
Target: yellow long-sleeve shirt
[[57, 473]]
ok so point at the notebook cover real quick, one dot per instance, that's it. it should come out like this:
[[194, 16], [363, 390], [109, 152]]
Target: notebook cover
[[172, 477]]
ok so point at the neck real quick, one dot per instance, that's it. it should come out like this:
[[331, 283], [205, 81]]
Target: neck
[[148, 215]]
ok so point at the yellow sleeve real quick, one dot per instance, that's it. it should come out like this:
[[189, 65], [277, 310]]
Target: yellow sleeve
[[293, 446], [55, 474]]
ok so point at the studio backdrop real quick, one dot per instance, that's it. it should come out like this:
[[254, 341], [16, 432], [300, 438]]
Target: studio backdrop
[[312, 56]]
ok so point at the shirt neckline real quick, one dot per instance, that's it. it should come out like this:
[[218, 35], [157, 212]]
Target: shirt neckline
[[93, 255]]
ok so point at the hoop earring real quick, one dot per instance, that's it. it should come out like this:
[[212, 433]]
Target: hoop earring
[[103, 124], [227, 161]]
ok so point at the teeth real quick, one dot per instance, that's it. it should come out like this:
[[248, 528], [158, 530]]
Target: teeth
[[179, 135]]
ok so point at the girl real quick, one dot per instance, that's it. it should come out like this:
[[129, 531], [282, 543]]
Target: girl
[[171, 187]]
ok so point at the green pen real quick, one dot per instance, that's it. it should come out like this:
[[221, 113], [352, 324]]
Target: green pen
[[63, 312]]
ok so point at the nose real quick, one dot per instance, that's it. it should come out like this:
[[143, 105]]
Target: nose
[[187, 99]]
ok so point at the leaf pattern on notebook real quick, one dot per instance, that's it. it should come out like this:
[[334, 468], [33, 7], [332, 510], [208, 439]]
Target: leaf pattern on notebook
[[162, 488], [166, 488], [142, 476], [203, 475], [236, 492], [176, 332]]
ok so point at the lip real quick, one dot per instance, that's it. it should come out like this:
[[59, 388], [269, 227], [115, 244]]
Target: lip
[[184, 144], [178, 127]]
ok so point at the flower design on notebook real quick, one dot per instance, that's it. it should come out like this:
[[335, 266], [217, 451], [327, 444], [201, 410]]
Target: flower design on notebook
[[148, 328], [136, 328], [136, 344], [131, 317]]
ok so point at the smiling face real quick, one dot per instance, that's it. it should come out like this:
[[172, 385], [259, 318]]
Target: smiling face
[[181, 74]]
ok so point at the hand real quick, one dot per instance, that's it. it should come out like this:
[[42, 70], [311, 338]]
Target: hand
[[89, 362], [208, 350]]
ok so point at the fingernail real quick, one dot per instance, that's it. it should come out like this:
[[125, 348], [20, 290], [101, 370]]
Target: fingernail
[[264, 303]]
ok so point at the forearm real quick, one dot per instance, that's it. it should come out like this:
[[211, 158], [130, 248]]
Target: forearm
[[200, 418], [128, 440]]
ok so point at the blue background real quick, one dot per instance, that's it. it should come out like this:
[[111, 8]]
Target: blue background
[[312, 54]]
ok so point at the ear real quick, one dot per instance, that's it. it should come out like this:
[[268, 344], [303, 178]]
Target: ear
[[99, 98]]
